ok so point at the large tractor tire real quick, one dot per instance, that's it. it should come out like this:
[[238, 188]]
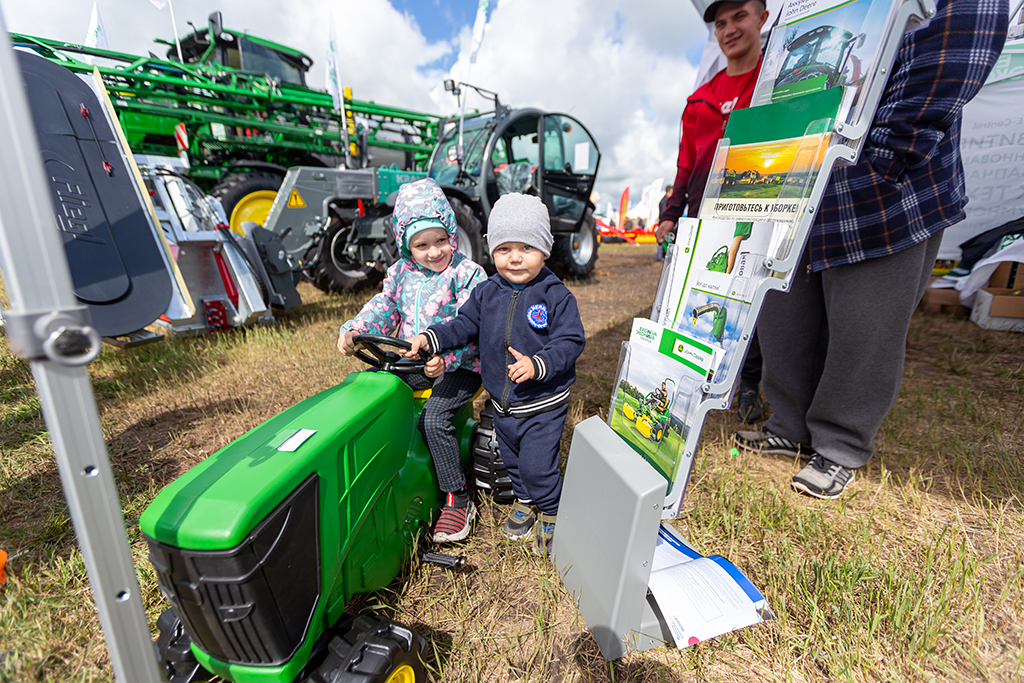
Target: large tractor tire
[[247, 197], [488, 469], [335, 270], [374, 650], [574, 255], [471, 230]]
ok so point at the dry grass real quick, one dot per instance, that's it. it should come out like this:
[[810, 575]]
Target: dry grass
[[918, 574]]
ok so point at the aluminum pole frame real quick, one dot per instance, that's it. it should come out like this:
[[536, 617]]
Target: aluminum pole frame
[[38, 282]]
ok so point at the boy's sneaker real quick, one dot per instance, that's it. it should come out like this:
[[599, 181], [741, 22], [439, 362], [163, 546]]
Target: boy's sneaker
[[520, 522], [454, 522], [822, 478], [750, 408], [545, 531], [766, 442]]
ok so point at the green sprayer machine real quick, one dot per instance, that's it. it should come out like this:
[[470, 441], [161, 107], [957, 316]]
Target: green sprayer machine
[[240, 108], [236, 111]]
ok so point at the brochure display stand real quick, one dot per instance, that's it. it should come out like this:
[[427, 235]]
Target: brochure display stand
[[823, 73]]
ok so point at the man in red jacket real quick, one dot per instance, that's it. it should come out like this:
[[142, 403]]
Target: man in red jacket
[[737, 26]]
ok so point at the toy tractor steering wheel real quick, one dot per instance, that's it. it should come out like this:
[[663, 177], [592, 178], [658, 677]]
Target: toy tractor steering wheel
[[388, 361]]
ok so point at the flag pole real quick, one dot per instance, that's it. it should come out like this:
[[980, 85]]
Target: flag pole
[[174, 27], [336, 90], [479, 27]]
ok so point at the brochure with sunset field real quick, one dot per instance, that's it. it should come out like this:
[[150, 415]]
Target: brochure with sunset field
[[767, 162]]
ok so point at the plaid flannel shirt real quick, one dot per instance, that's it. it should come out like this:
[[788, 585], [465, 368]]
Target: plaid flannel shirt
[[909, 182]]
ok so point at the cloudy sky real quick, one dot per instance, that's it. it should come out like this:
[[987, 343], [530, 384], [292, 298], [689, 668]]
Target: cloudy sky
[[622, 67]]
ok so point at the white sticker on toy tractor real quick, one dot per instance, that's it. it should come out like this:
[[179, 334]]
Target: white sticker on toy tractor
[[293, 442]]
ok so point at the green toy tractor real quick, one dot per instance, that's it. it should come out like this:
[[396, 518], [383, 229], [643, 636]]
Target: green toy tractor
[[653, 416], [259, 547]]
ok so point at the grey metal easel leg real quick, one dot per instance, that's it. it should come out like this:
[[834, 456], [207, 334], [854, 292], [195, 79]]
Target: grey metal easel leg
[[46, 325]]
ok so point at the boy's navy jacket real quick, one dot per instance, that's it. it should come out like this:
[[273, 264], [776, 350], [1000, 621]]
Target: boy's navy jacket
[[540, 321]]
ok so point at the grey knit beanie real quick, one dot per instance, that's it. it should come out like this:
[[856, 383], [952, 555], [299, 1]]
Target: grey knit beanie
[[519, 218]]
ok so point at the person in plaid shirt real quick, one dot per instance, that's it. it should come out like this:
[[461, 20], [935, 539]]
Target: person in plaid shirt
[[834, 346]]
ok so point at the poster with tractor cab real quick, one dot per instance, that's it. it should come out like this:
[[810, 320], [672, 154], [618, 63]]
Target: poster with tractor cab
[[657, 389], [820, 45], [819, 60]]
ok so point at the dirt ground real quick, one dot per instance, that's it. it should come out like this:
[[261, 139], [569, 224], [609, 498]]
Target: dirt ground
[[954, 436]]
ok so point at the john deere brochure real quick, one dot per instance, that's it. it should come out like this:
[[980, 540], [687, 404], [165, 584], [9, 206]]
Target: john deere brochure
[[657, 390], [709, 291], [769, 158], [821, 44], [701, 597]]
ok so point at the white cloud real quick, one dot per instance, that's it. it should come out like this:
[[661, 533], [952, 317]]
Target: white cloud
[[620, 67]]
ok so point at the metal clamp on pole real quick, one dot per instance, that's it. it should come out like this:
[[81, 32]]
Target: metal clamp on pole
[[66, 337]]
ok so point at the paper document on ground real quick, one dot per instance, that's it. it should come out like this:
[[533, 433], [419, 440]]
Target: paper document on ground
[[702, 597]]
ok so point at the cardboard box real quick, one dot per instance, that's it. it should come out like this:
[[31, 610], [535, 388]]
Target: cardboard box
[[999, 309], [1007, 303], [942, 300], [1001, 277]]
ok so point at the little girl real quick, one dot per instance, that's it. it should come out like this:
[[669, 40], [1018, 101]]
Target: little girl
[[427, 285]]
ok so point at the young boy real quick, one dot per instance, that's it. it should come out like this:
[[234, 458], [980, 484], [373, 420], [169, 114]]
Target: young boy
[[528, 329], [428, 285]]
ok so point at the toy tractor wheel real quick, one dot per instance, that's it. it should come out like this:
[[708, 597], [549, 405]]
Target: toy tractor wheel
[[629, 412], [337, 271], [374, 650], [174, 651], [574, 255], [470, 230], [247, 197], [488, 469]]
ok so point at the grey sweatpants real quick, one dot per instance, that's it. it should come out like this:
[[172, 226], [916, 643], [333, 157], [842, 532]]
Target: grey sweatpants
[[834, 347]]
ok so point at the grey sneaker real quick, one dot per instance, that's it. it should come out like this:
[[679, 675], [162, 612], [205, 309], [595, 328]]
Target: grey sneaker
[[750, 408], [822, 478], [766, 442], [545, 532], [519, 524]]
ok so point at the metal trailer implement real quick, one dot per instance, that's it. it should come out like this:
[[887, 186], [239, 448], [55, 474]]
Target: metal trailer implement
[[240, 108], [335, 223]]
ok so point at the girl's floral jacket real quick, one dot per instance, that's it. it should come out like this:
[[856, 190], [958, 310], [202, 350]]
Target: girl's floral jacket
[[415, 297]]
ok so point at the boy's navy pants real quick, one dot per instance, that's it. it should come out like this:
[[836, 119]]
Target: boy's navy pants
[[529, 449]]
